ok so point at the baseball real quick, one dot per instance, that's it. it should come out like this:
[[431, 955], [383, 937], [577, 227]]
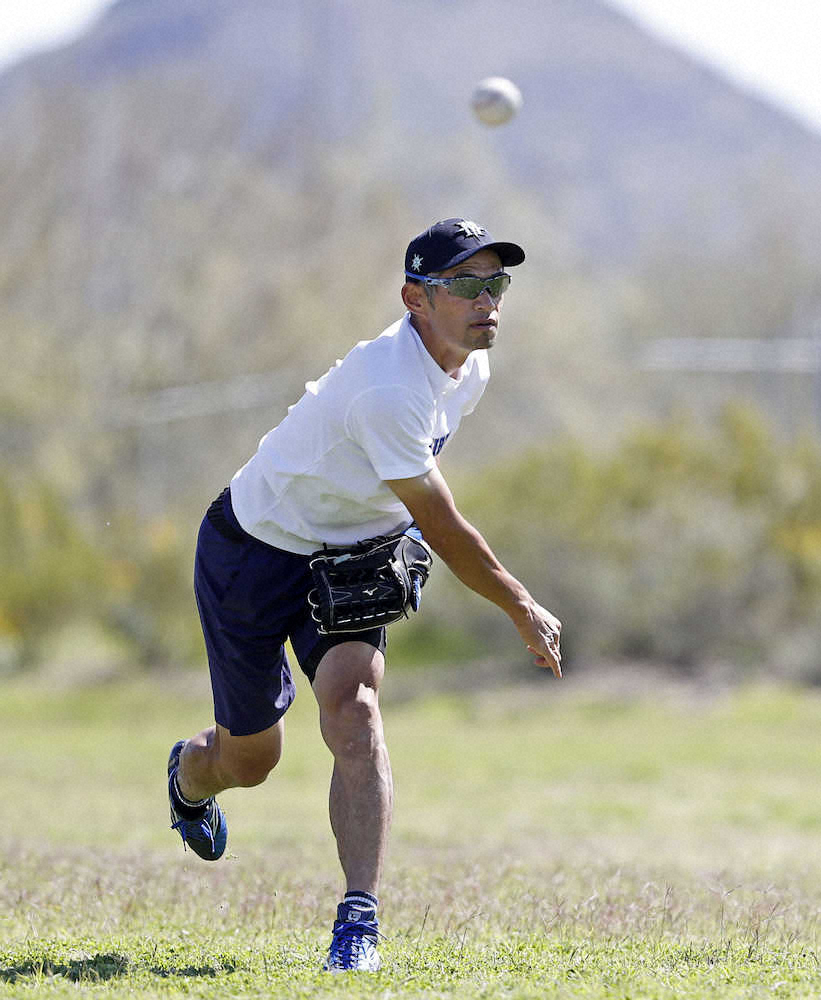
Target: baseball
[[496, 100]]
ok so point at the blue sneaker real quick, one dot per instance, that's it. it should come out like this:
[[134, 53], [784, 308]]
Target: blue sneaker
[[353, 946], [206, 834]]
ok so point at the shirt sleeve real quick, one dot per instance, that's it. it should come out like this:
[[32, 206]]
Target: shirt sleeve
[[394, 427]]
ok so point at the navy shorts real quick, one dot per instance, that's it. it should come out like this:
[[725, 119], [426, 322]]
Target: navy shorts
[[251, 598]]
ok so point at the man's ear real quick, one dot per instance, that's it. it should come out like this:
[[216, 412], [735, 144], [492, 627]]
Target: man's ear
[[414, 297]]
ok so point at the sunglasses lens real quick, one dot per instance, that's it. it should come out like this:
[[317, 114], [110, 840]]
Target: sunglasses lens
[[472, 288], [499, 285], [466, 288]]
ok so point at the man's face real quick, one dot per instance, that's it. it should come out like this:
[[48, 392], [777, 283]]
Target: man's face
[[466, 324]]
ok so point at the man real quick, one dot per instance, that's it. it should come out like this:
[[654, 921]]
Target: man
[[355, 458]]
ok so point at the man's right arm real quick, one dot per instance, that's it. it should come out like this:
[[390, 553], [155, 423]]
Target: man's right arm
[[469, 557]]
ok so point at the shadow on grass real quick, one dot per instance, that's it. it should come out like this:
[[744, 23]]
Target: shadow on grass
[[95, 968], [203, 971]]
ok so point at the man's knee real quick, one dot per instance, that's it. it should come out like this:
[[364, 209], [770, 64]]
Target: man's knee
[[352, 726], [248, 760], [346, 668], [346, 687]]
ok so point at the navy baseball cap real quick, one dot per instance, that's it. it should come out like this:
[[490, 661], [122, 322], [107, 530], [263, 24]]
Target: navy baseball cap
[[446, 244]]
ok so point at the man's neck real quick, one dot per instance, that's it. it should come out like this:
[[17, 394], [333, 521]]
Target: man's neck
[[449, 361]]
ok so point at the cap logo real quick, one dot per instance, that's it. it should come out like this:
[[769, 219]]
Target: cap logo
[[416, 263], [468, 228]]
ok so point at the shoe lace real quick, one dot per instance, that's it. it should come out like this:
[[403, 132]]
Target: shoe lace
[[202, 826], [348, 938]]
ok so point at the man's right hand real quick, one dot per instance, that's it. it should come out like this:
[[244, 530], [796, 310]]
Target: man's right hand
[[541, 632]]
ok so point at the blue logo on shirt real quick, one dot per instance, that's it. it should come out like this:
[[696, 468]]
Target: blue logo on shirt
[[438, 444]]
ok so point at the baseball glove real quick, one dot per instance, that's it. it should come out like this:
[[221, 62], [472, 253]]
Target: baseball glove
[[372, 583]]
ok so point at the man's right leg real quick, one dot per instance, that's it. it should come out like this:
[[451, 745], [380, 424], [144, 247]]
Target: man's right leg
[[207, 764], [245, 592]]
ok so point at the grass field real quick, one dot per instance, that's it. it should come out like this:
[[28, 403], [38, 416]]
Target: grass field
[[549, 841]]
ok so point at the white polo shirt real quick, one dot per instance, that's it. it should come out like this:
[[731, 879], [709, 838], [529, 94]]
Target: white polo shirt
[[383, 412]]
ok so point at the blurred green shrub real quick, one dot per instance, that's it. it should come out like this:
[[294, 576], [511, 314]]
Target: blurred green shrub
[[134, 581], [150, 599], [684, 545], [50, 571]]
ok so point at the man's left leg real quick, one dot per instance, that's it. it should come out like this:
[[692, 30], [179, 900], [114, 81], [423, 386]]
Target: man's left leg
[[346, 687]]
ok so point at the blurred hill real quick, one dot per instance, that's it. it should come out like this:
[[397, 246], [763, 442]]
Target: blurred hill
[[194, 191], [623, 137], [205, 202]]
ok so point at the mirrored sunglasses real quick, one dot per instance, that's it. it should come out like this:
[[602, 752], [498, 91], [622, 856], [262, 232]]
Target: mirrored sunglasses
[[469, 287]]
